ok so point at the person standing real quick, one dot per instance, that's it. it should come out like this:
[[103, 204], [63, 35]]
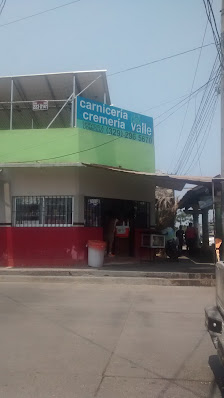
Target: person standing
[[110, 233], [180, 237], [191, 237], [169, 234]]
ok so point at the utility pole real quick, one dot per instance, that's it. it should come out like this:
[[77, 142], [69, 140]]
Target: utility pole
[[222, 91], [222, 124]]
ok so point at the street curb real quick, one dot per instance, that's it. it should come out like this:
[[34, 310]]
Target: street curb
[[205, 282], [105, 273]]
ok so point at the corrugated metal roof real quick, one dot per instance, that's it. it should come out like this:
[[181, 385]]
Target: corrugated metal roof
[[54, 87], [55, 73], [164, 180]]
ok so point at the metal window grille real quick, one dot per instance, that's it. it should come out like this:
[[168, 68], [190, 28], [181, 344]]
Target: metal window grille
[[93, 217], [142, 214], [31, 211], [94, 210]]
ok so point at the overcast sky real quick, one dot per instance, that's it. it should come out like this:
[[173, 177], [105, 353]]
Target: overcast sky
[[118, 34]]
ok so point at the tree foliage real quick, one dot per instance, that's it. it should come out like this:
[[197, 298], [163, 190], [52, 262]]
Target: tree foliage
[[166, 208]]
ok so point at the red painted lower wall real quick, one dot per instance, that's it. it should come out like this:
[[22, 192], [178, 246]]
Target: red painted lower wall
[[52, 246], [143, 253], [28, 247]]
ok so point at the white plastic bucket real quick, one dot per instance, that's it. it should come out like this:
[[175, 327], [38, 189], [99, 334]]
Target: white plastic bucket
[[96, 250]]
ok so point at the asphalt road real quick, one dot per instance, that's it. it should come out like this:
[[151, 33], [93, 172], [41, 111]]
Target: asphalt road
[[68, 340]]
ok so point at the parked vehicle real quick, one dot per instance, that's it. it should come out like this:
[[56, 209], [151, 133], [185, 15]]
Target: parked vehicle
[[214, 316]]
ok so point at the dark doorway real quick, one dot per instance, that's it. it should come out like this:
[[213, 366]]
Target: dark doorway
[[134, 214]]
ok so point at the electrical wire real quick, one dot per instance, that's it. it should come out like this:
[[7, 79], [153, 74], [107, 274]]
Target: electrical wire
[[163, 103], [187, 147], [216, 40], [39, 13], [71, 153], [213, 16], [190, 95], [194, 133], [183, 102], [192, 86], [2, 6], [88, 149], [190, 142], [157, 60], [199, 163], [204, 126], [205, 136], [199, 121]]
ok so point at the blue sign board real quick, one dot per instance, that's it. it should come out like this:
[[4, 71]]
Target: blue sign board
[[106, 119]]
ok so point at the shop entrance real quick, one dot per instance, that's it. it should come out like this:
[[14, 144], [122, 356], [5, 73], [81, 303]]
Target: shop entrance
[[130, 215]]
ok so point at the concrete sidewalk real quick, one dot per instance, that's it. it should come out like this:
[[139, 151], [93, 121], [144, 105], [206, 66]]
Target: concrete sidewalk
[[182, 273]]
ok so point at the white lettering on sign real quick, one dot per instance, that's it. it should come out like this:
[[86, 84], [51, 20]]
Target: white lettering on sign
[[141, 128], [111, 120], [40, 105], [119, 113]]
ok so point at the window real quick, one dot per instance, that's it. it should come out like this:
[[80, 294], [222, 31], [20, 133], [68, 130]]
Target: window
[[142, 214], [93, 212], [31, 211]]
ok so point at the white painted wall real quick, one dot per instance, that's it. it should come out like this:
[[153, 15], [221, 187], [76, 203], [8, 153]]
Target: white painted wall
[[47, 181], [108, 184], [2, 207], [77, 182], [5, 202], [43, 181]]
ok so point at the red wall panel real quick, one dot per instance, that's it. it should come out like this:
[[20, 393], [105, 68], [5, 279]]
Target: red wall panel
[[143, 253], [53, 246]]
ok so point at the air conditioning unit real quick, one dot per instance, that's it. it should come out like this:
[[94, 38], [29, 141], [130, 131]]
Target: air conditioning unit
[[153, 241]]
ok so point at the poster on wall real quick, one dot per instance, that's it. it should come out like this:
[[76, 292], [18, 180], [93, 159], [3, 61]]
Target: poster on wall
[[106, 119], [40, 105]]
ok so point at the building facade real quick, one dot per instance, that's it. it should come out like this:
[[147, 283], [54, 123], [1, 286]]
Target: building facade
[[56, 188]]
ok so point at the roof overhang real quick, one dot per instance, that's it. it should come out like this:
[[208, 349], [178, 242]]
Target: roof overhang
[[55, 86], [163, 180]]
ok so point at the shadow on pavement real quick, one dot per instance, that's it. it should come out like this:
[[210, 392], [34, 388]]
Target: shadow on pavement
[[218, 372], [161, 265]]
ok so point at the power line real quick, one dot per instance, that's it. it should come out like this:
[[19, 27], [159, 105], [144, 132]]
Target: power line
[[39, 13], [172, 113], [205, 136], [72, 153], [213, 16], [186, 151], [164, 103], [195, 132], [217, 40], [192, 86], [2, 6], [206, 119], [199, 163], [200, 118], [157, 60], [180, 102], [187, 147], [185, 99]]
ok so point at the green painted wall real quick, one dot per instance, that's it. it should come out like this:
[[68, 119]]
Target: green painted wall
[[74, 145]]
